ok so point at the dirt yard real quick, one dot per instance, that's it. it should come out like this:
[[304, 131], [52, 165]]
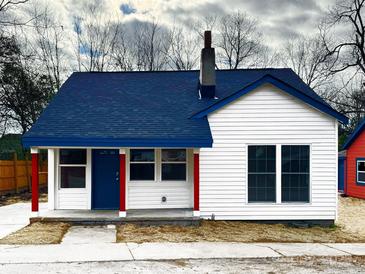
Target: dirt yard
[[350, 228], [351, 215], [23, 197], [38, 233]]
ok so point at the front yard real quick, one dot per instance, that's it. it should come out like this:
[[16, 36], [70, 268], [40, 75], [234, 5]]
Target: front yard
[[23, 197], [38, 233], [349, 228]]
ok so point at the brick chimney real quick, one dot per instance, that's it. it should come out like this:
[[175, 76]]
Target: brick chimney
[[207, 68]]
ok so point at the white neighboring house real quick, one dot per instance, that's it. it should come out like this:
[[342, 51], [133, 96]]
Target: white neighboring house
[[231, 144]]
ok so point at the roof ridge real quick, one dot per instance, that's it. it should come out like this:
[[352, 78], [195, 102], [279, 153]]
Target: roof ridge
[[168, 71]]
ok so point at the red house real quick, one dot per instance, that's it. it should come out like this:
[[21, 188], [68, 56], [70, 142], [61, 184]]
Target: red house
[[354, 164]]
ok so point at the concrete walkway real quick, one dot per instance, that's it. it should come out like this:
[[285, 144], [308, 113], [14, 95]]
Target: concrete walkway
[[90, 235], [14, 217], [13, 254]]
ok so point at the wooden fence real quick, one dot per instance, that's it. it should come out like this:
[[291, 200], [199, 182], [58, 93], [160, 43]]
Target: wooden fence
[[16, 175]]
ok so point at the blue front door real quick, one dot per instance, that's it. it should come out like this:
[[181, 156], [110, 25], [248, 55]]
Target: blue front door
[[105, 179], [341, 174]]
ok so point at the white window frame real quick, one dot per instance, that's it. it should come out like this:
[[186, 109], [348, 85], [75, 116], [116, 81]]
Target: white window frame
[[144, 162], [175, 162], [358, 171], [70, 165], [278, 175]]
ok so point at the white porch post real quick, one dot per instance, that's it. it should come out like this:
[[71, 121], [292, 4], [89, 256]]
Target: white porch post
[[51, 178]]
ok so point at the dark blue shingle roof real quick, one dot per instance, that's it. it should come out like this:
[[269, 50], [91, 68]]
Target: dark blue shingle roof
[[140, 108]]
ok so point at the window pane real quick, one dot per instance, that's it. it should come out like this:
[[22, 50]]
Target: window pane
[[262, 188], [140, 172], [173, 155], [361, 176], [261, 173], [295, 173], [361, 166], [73, 156], [174, 172], [72, 177], [142, 155]]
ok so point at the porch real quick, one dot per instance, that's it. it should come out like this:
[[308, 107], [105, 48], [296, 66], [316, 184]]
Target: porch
[[99, 185], [103, 217]]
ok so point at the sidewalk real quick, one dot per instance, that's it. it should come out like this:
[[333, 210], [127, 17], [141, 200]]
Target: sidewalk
[[13, 254], [15, 217]]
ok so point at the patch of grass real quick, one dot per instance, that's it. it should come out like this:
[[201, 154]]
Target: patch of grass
[[234, 231], [23, 197], [38, 233]]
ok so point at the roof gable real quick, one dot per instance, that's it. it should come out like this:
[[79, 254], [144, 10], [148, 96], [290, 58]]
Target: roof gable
[[357, 132], [269, 79]]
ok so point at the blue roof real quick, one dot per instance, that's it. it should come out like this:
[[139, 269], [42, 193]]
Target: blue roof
[[354, 135], [148, 109]]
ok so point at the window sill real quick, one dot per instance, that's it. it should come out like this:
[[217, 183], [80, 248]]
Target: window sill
[[279, 204]]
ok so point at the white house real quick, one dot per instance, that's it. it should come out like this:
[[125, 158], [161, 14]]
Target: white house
[[250, 144]]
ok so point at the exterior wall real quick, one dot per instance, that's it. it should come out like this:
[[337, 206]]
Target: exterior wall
[[140, 195], [356, 150], [267, 115], [74, 198], [143, 195]]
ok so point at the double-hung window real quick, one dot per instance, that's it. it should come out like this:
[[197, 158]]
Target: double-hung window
[[262, 173], [360, 171], [295, 173], [72, 163], [173, 164], [142, 165]]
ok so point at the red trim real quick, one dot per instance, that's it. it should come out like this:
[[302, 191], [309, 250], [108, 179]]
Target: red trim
[[196, 182], [345, 176], [122, 183], [35, 182]]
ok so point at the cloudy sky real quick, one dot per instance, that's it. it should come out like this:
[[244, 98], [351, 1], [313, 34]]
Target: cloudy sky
[[279, 19]]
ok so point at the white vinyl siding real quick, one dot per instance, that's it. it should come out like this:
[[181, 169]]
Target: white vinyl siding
[[266, 116], [145, 195]]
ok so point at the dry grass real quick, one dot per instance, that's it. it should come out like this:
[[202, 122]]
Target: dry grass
[[21, 198], [233, 231], [350, 228], [38, 233]]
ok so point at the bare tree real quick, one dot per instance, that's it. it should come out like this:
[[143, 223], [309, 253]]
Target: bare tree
[[208, 22], [181, 50], [122, 54], [307, 56], [349, 99], [5, 6], [96, 38], [347, 55], [239, 40], [349, 51], [48, 45], [150, 44]]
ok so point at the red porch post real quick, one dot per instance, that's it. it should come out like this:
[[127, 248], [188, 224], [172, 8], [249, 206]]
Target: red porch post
[[196, 183], [122, 183], [35, 182]]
